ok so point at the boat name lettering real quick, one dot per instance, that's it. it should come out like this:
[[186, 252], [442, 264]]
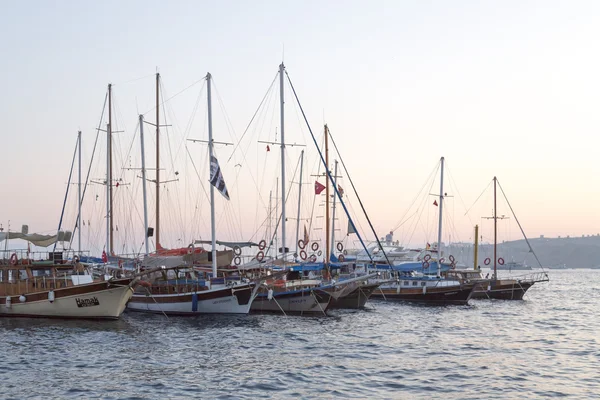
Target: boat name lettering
[[87, 302], [222, 301]]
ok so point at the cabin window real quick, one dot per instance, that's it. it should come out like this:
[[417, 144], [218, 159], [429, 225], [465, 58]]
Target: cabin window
[[415, 283], [42, 272], [23, 274], [423, 283], [406, 283]]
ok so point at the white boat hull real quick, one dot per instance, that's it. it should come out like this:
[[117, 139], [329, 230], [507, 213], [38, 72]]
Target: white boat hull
[[103, 304], [214, 301]]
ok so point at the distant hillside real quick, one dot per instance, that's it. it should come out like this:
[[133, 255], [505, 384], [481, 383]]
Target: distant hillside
[[573, 252]]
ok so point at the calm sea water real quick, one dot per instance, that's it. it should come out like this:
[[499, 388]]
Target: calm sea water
[[545, 346]]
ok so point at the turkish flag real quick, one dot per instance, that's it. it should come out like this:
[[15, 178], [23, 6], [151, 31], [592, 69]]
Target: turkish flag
[[318, 187], [435, 203], [104, 257]]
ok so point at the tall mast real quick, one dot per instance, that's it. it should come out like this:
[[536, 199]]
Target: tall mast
[[439, 249], [144, 185], [333, 216], [212, 188], [281, 72], [276, 214], [299, 197], [110, 175], [495, 229], [326, 198], [270, 236], [476, 250], [79, 196], [107, 189], [157, 162]]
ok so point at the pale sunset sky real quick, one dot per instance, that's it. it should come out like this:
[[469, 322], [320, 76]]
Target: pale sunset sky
[[506, 88]]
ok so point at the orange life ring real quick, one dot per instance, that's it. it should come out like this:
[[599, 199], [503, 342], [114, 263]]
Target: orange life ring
[[340, 246], [427, 257], [451, 258], [487, 261], [237, 260], [145, 284], [14, 259], [260, 255], [190, 249], [319, 253], [301, 244], [341, 258], [262, 244], [442, 260], [501, 261], [425, 264], [303, 254], [315, 246], [313, 258], [237, 250]]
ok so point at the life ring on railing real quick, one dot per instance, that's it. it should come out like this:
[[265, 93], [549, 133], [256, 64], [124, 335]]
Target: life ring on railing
[[145, 284], [451, 258], [453, 265], [442, 260], [345, 252], [425, 264], [237, 250], [76, 259], [301, 244], [319, 253], [487, 261], [313, 258], [237, 260], [303, 254], [190, 249], [314, 246], [260, 255], [341, 258], [262, 244], [501, 261], [14, 259], [427, 257], [340, 246]]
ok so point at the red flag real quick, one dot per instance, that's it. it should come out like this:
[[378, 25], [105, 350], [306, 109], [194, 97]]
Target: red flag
[[340, 190], [117, 185], [268, 148], [104, 257], [435, 203], [318, 187]]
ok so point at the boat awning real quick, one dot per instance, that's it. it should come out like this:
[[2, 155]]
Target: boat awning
[[35, 238]]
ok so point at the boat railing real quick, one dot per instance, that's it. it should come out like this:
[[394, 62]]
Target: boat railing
[[16, 287], [535, 277]]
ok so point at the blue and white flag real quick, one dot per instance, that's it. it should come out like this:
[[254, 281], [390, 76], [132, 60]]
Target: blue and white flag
[[216, 177]]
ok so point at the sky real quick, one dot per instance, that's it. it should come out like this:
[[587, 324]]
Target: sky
[[507, 89]]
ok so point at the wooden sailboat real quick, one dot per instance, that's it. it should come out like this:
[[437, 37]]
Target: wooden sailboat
[[502, 288], [185, 290], [397, 283]]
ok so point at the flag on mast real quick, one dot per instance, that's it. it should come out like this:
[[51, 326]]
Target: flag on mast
[[319, 187], [305, 235], [104, 256], [351, 228], [216, 177], [435, 203]]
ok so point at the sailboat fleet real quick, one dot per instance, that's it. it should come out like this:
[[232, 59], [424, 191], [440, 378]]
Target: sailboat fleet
[[191, 280]]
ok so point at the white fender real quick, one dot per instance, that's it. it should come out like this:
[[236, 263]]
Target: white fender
[[51, 296], [22, 299], [8, 302], [270, 294]]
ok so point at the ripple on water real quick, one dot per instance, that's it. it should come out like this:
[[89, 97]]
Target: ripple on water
[[545, 346]]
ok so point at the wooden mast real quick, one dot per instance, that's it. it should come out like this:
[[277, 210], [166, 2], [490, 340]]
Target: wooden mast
[[110, 173], [326, 131], [476, 250], [157, 163]]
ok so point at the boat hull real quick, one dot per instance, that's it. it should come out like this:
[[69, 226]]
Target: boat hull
[[354, 299], [511, 290], [298, 302], [227, 300], [98, 300], [449, 295]]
